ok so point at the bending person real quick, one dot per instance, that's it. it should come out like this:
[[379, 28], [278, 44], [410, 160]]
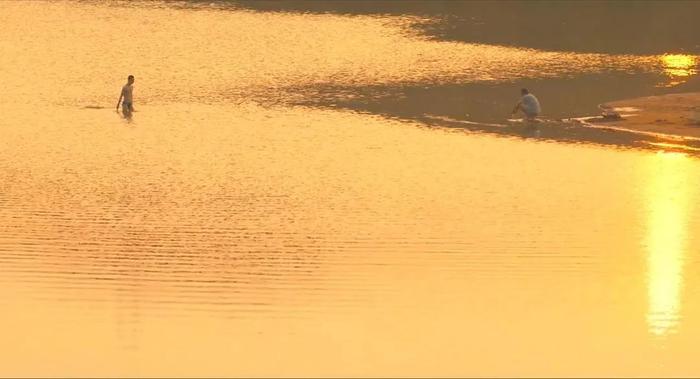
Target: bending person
[[528, 104]]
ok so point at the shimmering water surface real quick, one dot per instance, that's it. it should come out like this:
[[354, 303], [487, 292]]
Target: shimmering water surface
[[292, 199]]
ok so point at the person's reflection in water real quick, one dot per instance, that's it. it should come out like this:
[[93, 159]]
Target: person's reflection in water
[[531, 130]]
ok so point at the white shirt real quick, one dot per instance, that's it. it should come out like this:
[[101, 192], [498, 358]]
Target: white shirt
[[530, 104]]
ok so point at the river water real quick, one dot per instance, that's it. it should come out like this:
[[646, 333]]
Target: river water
[[329, 189]]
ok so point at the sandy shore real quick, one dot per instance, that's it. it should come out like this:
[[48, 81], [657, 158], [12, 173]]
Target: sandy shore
[[673, 114]]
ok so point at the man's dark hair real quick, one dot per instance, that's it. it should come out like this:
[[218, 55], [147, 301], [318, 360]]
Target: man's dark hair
[[524, 91], [130, 77]]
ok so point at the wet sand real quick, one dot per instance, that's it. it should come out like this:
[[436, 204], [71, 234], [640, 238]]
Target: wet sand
[[673, 114]]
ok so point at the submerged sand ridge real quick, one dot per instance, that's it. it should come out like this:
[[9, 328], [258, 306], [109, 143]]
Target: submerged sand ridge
[[672, 114]]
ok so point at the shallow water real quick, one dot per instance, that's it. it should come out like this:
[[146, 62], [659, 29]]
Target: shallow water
[[281, 205]]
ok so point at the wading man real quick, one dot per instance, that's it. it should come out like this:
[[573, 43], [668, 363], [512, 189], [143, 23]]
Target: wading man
[[128, 96]]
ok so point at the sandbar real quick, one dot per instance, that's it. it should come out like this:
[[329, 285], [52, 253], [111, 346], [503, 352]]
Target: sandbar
[[673, 114]]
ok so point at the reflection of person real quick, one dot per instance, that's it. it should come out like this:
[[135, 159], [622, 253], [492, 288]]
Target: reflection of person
[[127, 95], [528, 104]]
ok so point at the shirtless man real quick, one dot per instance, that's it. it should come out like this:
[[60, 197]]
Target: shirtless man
[[127, 95], [528, 104]]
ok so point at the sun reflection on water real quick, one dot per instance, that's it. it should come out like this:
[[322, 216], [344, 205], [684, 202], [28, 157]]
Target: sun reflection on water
[[679, 67], [668, 198]]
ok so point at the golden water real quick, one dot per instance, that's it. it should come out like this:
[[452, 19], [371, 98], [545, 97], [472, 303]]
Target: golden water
[[223, 231]]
